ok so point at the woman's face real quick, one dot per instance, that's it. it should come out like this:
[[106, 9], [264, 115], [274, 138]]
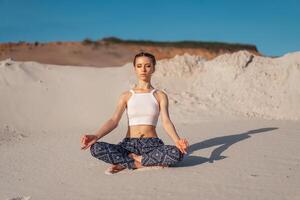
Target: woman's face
[[143, 67]]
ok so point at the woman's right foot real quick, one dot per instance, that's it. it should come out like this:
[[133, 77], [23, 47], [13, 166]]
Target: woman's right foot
[[114, 169], [138, 162], [135, 157]]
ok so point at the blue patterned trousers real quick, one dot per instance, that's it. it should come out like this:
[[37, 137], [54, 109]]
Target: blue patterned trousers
[[153, 152]]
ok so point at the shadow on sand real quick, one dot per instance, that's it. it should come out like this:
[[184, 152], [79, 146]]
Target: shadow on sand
[[224, 141]]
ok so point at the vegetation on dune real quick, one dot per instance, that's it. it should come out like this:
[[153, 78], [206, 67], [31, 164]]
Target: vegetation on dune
[[88, 41], [212, 46], [182, 44]]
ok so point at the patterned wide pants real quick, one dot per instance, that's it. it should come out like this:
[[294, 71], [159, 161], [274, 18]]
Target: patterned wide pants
[[153, 152]]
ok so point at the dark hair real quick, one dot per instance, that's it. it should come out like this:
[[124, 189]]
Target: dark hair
[[149, 55]]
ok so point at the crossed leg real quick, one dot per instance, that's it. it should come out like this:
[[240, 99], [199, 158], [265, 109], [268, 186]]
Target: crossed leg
[[137, 164], [113, 154], [138, 161], [120, 159]]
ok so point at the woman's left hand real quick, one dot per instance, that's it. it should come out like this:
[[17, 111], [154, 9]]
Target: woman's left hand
[[182, 145]]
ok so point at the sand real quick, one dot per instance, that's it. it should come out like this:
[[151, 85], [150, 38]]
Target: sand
[[240, 113]]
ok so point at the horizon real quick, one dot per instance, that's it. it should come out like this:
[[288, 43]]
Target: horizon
[[269, 25]]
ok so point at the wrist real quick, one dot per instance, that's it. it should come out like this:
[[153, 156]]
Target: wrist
[[177, 140], [98, 137]]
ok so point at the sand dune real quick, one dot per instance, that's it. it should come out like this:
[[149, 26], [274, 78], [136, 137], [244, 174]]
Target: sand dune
[[239, 84], [240, 113]]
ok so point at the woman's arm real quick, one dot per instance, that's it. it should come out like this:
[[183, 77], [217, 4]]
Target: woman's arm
[[113, 122], [181, 144], [166, 121]]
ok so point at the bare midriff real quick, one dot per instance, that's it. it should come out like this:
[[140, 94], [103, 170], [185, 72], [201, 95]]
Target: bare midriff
[[141, 131]]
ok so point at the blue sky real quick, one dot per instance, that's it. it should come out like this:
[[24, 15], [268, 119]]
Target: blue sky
[[272, 25]]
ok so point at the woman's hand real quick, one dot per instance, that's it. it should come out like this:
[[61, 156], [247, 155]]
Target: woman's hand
[[182, 145], [87, 140]]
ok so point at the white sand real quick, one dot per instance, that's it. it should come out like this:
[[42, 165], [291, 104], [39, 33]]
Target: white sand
[[242, 121]]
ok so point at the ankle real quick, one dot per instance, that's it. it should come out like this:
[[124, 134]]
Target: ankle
[[137, 164], [135, 157]]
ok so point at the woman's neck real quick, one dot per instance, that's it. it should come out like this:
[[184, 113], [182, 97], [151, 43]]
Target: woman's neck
[[143, 85]]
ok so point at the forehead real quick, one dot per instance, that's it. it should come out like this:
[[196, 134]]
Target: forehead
[[143, 60]]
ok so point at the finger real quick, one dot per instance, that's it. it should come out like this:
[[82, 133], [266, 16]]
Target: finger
[[182, 150], [186, 143], [83, 139], [85, 147], [179, 147], [86, 140], [185, 150], [90, 144]]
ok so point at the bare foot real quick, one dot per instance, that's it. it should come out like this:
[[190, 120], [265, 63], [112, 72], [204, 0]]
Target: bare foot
[[135, 157], [115, 169], [138, 162]]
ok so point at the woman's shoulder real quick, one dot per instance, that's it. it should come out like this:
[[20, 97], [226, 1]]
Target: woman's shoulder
[[161, 91], [126, 93], [161, 94]]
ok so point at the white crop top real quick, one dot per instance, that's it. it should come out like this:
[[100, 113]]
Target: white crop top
[[142, 108]]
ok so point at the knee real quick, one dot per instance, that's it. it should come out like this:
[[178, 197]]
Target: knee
[[175, 153], [97, 148]]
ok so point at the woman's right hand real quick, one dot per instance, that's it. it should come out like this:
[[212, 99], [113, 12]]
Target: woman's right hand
[[87, 140]]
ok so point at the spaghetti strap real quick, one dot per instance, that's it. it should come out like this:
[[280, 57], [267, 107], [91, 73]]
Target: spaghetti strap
[[152, 91]]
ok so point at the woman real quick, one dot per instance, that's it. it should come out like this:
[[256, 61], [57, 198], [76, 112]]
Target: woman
[[141, 147]]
